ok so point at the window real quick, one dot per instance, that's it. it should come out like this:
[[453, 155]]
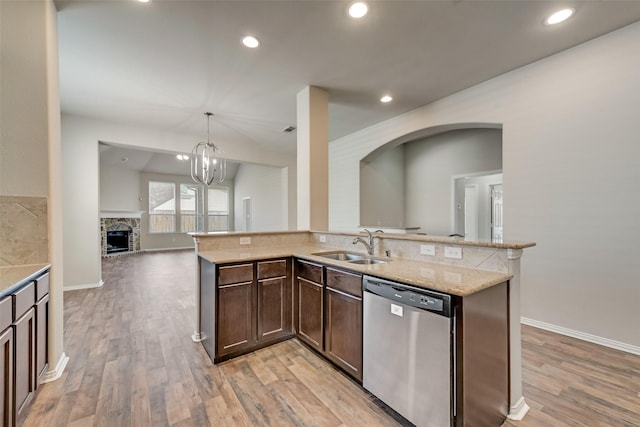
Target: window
[[190, 205], [218, 209], [162, 207]]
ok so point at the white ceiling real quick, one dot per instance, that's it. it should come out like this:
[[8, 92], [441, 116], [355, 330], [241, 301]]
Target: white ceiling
[[164, 63]]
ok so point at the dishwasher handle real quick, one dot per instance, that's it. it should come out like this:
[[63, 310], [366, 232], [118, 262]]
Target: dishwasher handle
[[423, 299]]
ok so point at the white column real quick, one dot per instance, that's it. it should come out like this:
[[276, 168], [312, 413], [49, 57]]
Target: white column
[[518, 407], [197, 333], [313, 159]]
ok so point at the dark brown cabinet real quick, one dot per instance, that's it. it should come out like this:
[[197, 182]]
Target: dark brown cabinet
[[235, 309], [309, 304], [24, 321], [42, 327], [6, 363], [343, 321], [244, 306], [274, 300], [25, 368]]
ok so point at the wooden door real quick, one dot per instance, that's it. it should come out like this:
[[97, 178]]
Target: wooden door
[[343, 331], [274, 308], [234, 318], [6, 375], [42, 342], [25, 368], [309, 308]]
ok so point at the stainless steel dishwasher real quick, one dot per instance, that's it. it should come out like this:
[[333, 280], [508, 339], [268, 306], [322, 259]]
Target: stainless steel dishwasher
[[408, 351]]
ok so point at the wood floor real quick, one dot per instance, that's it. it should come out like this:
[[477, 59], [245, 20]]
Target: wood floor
[[132, 362]]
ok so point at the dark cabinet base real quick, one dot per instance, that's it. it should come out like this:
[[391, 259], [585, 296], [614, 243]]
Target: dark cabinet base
[[25, 382], [6, 374]]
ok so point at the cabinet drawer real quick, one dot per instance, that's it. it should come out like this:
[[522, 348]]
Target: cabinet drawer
[[309, 271], [343, 281], [235, 274], [23, 300], [42, 286], [269, 269], [6, 313]]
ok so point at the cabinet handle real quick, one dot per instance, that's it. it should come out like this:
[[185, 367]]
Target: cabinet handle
[[343, 293], [234, 285]]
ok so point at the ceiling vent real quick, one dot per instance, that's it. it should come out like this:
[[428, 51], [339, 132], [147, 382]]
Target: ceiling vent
[[289, 129]]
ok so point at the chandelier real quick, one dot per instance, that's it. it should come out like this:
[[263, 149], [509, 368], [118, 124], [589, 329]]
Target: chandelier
[[207, 167]]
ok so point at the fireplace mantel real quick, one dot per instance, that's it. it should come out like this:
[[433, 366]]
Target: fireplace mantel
[[121, 214]]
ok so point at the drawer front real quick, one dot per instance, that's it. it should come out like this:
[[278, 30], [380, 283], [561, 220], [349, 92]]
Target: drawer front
[[6, 313], [270, 269], [42, 286], [309, 271], [23, 300], [343, 281], [235, 274]]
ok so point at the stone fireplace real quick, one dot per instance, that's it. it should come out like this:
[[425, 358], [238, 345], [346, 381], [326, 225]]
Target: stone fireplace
[[120, 233]]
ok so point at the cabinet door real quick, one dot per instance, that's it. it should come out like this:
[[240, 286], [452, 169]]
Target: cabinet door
[[235, 314], [25, 368], [42, 342], [274, 308], [6, 375], [343, 331], [309, 308]]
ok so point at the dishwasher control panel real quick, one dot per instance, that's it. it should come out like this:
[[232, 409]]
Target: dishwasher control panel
[[420, 298]]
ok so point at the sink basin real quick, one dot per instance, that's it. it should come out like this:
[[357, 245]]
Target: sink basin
[[368, 261], [341, 255], [351, 257]]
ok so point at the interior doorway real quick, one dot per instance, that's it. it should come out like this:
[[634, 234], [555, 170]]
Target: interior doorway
[[477, 210]]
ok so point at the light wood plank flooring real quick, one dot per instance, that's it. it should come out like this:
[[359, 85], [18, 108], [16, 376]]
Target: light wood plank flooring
[[132, 362]]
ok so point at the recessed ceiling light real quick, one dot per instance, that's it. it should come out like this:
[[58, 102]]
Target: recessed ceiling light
[[386, 98], [559, 16], [182, 157], [144, 1], [251, 42], [358, 9]]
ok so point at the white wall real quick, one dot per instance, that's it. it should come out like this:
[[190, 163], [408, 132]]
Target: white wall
[[80, 136], [382, 189], [119, 189], [81, 205], [264, 185], [571, 166], [431, 164]]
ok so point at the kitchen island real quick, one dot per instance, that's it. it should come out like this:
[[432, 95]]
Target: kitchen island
[[279, 285]]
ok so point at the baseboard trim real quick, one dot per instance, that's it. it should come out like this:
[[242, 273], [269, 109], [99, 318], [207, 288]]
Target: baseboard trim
[[87, 286], [57, 372], [617, 345]]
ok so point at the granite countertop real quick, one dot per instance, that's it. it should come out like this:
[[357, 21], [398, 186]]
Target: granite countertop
[[450, 279], [13, 277], [507, 244]]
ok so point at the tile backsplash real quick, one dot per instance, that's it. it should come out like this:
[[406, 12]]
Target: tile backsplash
[[24, 237]]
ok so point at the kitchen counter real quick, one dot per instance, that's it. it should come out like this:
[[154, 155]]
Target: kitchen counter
[[420, 238], [449, 279], [14, 277]]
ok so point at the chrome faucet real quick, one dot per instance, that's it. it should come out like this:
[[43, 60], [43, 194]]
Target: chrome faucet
[[367, 244]]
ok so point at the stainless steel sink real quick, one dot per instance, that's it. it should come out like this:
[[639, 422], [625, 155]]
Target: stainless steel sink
[[351, 257], [368, 261], [341, 255]]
